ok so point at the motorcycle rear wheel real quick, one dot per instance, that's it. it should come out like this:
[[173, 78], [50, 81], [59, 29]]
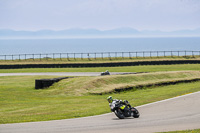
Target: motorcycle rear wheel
[[119, 114]]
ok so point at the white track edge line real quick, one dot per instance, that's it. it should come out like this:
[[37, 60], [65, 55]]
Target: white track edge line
[[168, 99]]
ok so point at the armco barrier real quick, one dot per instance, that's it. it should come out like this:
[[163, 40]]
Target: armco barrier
[[113, 64], [44, 83]]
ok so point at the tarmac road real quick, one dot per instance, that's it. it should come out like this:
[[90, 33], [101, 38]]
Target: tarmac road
[[62, 74], [178, 113]]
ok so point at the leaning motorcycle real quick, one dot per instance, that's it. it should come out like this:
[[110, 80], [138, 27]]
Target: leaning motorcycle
[[122, 111], [105, 73]]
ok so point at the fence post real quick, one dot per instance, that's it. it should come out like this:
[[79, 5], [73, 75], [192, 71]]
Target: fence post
[[12, 58], [60, 56], [150, 54], [171, 54], [164, 54], [143, 54], [88, 56], [40, 57], [81, 56], [46, 56], [102, 55], [136, 54], [185, 54], [109, 56], [178, 53], [74, 56], [193, 54], [157, 54], [67, 56]]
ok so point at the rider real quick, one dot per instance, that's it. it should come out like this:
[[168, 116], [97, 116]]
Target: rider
[[111, 100]]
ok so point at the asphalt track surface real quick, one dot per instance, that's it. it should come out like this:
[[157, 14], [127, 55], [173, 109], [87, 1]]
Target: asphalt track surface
[[179, 113], [61, 74]]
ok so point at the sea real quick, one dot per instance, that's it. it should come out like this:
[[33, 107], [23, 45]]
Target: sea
[[90, 45]]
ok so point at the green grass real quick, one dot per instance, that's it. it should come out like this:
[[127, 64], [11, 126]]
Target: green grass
[[185, 131], [147, 68], [107, 84], [20, 102]]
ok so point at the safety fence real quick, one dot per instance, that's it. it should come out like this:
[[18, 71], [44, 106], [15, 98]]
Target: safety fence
[[100, 55]]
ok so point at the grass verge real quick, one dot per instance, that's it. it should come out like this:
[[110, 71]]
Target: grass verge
[[20, 102], [185, 131], [147, 68]]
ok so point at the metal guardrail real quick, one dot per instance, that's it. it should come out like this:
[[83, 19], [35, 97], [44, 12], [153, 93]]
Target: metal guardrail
[[100, 55]]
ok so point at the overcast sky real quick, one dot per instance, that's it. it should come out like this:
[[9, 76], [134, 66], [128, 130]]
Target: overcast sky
[[165, 15]]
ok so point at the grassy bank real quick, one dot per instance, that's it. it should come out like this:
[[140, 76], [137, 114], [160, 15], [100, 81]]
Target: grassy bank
[[109, 84], [147, 68], [20, 102]]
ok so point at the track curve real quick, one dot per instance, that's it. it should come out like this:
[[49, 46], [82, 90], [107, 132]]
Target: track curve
[[179, 113], [63, 74]]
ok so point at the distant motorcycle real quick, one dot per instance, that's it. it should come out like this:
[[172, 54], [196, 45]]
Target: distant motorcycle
[[105, 73], [122, 111]]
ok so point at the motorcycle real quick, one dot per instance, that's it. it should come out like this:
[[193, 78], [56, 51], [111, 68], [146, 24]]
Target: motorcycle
[[105, 73], [122, 111]]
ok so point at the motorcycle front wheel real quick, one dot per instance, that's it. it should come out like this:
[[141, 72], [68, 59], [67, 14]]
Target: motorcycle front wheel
[[136, 113]]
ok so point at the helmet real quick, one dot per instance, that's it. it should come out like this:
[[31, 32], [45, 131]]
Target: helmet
[[110, 99], [126, 102]]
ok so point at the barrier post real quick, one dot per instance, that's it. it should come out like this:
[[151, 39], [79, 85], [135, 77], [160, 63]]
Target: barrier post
[[150, 54], [67, 56], [40, 57], [81, 56], [143, 54]]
